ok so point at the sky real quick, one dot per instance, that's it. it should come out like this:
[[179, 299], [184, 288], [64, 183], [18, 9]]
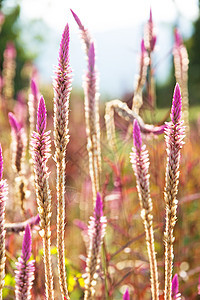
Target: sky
[[117, 28], [108, 14]]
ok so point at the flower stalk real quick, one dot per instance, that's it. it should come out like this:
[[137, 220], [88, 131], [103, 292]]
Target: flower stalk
[[3, 198], [91, 111], [174, 134], [62, 89], [18, 154], [24, 275], [140, 163], [40, 143], [96, 231]]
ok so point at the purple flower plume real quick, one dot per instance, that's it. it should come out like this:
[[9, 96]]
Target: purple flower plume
[[174, 135], [19, 142], [178, 38], [85, 35], [78, 21], [175, 285], [15, 125], [91, 58], [150, 37], [34, 88], [137, 139], [175, 288], [96, 231], [26, 246], [24, 275], [126, 295], [62, 89], [33, 100], [176, 105], [41, 117]]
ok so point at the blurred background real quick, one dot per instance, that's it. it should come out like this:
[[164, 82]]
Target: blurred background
[[117, 28], [30, 35]]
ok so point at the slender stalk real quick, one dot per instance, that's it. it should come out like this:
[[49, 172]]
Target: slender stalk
[[40, 144], [96, 232], [140, 163], [62, 89], [3, 198], [174, 134], [91, 111], [24, 275]]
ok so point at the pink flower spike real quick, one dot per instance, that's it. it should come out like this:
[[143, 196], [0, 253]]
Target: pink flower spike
[[178, 38], [41, 116], [126, 295], [175, 285], [1, 163], [91, 58], [99, 207], [76, 18], [15, 125], [176, 105], [143, 49], [64, 48], [137, 139], [26, 246], [34, 88], [150, 16]]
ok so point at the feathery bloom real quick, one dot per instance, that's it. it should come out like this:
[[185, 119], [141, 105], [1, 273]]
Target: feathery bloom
[[96, 231], [140, 163], [18, 154], [174, 134], [62, 89], [33, 100], [91, 110], [19, 143], [40, 143], [24, 275], [175, 288], [3, 198], [92, 122], [126, 295], [85, 35], [149, 35]]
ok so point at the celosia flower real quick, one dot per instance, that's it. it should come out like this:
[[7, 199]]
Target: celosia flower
[[175, 288], [33, 101], [96, 231], [3, 198], [140, 163], [41, 144], [174, 134], [126, 295], [24, 275], [62, 89], [19, 143], [85, 35], [149, 35]]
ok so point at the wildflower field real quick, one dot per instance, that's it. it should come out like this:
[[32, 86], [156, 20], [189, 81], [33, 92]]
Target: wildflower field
[[98, 200]]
